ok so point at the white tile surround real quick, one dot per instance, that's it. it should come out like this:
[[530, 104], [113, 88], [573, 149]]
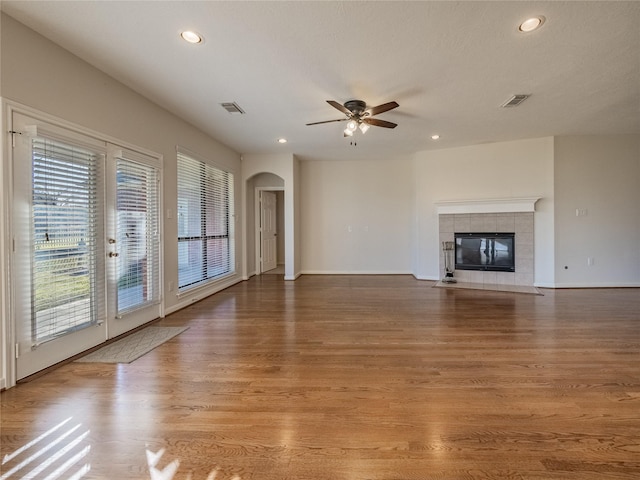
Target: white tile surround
[[521, 223]]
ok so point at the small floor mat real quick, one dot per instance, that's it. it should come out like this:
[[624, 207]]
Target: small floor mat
[[132, 346]]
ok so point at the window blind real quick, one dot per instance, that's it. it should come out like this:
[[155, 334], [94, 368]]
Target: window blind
[[205, 226], [67, 219], [138, 236]]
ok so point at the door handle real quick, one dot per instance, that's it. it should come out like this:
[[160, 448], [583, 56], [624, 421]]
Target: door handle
[[113, 254]]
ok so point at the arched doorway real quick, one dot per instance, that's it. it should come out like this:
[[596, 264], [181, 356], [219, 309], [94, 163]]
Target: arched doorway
[[265, 226]]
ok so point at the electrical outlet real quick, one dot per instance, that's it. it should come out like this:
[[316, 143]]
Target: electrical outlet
[[590, 261]]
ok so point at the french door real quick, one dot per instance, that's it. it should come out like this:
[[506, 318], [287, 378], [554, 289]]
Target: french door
[[86, 235], [133, 243]]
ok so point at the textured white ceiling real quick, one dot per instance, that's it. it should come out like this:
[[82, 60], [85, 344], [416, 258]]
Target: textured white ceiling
[[450, 65]]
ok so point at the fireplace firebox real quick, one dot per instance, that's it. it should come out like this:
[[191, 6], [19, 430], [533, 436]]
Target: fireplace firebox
[[493, 252]]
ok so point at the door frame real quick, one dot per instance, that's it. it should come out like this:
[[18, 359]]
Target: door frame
[[268, 225], [257, 221], [8, 109]]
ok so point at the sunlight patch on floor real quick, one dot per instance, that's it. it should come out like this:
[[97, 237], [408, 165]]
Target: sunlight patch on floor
[[67, 450], [170, 470]]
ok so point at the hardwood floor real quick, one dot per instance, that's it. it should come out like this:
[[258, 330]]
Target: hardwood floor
[[358, 378]]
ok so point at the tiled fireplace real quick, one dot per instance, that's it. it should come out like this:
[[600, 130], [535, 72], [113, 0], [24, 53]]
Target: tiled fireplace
[[488, 217]]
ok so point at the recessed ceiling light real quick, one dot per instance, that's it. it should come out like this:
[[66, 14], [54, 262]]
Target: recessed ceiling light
[[282, 140], [191, 36], [435, 137], [530, 24]]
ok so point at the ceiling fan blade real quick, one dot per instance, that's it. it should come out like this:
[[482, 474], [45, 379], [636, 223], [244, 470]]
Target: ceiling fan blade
[[337, 106], [385, 107], [328, 121], [379, 123]]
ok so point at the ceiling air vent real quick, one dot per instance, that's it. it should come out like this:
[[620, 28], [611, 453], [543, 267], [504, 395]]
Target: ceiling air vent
[[515, 101], [232, 107]]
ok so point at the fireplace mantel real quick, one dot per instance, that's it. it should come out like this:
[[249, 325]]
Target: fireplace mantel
[[492, 205]]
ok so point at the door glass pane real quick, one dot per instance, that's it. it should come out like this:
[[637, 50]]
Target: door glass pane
[[65, 233], [137, 242]]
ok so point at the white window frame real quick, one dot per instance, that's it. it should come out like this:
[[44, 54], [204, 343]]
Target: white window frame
[[203, 237]]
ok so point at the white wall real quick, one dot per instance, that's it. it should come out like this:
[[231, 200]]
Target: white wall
[[280, 226], [76, 92], [356, 216], [599, 176], [4, 218], [292, 207], [521, 168]]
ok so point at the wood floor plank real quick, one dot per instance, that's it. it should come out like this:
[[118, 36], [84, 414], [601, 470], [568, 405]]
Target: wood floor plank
[[354, 377]]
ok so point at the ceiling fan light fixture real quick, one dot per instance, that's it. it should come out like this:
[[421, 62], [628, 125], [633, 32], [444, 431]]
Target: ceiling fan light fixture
[[358, 116]]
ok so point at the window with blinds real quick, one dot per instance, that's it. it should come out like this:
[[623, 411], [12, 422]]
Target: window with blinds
[[138, 236], [66, 217], [205, 226]]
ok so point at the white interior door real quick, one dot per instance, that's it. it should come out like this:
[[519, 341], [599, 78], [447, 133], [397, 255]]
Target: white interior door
[[268, 231]]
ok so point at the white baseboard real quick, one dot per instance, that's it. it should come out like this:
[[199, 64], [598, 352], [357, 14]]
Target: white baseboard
[[198, 294], [591, 285], [292, 277], [423, 277], [248, 276], [354, 272]]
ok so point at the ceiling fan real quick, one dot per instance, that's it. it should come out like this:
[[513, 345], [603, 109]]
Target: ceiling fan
[[359, 116]]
